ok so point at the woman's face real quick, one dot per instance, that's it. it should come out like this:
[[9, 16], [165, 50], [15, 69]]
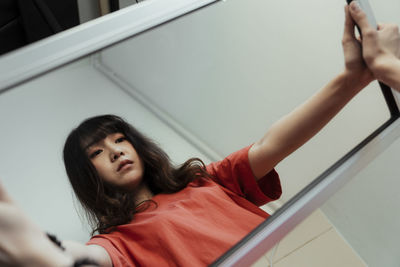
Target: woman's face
[[116, 161]]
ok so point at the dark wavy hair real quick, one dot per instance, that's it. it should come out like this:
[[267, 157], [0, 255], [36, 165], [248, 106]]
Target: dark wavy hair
[[107, 206]]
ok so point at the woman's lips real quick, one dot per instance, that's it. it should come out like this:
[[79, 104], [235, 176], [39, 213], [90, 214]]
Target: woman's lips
[[124, 164]]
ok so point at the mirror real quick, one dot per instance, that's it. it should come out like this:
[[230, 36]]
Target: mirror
[[209, 83]]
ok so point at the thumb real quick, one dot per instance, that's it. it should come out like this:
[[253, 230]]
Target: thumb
[[359, 16], [4, 197]]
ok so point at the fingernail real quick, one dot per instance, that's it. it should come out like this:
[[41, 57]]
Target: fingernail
[[355, 6]]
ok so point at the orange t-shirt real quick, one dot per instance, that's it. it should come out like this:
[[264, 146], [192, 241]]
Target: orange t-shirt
[[196, 225]]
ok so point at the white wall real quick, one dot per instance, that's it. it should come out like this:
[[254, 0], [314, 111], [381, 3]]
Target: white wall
[[36, 118]]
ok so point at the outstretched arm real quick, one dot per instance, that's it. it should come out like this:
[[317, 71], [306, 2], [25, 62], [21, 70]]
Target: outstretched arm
[[296, 128], [22, 243], [381, 47]]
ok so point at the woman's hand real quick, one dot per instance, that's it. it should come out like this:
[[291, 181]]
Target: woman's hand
[[22, 243], [356, 68], [380, 47]]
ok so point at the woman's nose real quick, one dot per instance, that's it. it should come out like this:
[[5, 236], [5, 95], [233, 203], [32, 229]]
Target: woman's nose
[[116, 154]]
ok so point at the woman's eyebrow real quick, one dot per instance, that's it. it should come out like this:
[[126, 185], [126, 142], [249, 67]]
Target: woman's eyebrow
[[90, 144], [94, 142]]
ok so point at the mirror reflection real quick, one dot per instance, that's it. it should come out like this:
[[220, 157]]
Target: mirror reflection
[[199, 87]]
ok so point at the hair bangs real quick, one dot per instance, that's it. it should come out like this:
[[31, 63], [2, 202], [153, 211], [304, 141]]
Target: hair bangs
[[93, 131]]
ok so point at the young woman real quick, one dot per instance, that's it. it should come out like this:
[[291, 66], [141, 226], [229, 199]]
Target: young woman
[[148, 212]]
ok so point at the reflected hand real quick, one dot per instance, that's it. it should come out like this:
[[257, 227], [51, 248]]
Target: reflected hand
[[22, 243], [355, 65], [381, 47]]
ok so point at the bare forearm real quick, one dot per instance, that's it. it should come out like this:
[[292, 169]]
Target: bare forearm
[[38, 250], [92, 253], [43, 253], [304, 122], [296, 128], [23, 243]]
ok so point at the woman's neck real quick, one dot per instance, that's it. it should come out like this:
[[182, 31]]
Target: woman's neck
[[142, 194]]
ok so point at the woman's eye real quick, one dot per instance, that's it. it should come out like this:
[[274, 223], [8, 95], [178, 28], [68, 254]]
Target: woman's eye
[[120, 139], [95, 153]]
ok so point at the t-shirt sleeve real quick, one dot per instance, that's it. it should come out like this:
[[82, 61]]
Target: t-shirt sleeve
[[116, 256], [234, 173]]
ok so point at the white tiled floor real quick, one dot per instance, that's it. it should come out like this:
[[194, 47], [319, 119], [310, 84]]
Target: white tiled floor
[[263, 262], [313, 243], [327, 250]]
